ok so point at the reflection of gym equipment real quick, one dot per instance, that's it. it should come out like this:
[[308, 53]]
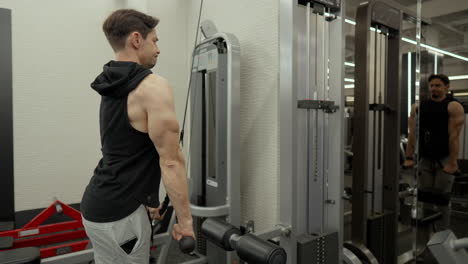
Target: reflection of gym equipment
[[376, 142], [447, 249]]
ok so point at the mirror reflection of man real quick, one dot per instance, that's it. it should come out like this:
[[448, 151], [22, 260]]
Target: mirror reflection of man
[[441, 118]]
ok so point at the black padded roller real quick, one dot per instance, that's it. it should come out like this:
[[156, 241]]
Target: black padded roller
[[255, 250], [434, 196], [219, 232]]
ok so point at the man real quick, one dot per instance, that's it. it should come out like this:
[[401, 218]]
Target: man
[[139, 137], [441, 118]]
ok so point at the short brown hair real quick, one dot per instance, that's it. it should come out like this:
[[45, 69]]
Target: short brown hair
[[125, 21], [441, 77]]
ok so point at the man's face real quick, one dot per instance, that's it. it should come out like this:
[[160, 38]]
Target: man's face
[[149, 52], [438, 89]]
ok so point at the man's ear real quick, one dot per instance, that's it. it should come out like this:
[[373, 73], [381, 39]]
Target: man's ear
[[135, 39]]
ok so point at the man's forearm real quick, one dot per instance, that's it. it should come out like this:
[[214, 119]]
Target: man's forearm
[[411, 137], [453, 148], [410, 146], [175, 181]]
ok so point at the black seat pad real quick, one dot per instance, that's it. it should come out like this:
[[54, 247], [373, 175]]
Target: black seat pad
[[27, 255], [428, 216], [434, 196]]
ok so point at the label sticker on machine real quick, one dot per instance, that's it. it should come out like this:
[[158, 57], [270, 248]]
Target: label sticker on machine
[[212, 183], [29, 232], [207, 60], [195, 64]]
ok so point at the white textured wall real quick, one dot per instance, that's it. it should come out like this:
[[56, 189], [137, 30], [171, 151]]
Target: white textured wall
[[58, 49], [173, 60], [255, 23], [172, 34]]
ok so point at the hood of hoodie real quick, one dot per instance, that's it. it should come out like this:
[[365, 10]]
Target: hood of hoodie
[[119, 78]]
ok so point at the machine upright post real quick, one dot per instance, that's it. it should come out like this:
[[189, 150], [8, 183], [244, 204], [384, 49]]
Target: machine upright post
[[377, 228], [311, 129], [214, 145], [7, 206]]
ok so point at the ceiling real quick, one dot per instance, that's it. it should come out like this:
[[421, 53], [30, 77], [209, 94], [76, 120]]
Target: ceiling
[[447, 30]]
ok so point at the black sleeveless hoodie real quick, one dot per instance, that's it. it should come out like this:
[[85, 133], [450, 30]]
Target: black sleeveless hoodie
[[128, 173], [433, 128]]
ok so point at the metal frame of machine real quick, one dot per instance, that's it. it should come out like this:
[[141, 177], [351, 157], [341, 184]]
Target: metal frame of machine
[[311, 90], [311, 118], [375, 171], [7, 206], [215, 158], [311, 132]]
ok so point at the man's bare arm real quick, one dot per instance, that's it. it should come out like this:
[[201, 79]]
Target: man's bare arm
[[412, 132], [163, 129], [456, 121]]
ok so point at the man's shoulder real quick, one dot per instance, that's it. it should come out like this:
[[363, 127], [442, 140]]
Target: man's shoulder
[[455, 103], [452, 100], [155, 89], [455, 107], [415, 107], [155, 80], [154, 84]]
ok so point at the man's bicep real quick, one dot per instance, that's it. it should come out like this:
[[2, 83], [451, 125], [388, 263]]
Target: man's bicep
[[457, 118], [414, 110], [412, 118]]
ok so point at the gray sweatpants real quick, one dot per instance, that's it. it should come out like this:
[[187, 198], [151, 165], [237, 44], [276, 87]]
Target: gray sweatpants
[[431, 175], [107, 239]]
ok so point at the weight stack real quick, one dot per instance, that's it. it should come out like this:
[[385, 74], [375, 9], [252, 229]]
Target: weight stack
[[377, 234], [318, 249]]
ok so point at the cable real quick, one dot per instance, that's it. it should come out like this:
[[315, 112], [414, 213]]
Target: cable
[[181, 140]]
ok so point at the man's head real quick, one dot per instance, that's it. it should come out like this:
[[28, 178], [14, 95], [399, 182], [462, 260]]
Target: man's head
[[132, 34], [439, 85]]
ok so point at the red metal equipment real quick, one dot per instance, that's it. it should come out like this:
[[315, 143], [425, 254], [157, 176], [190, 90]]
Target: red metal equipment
[[52, 239]]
